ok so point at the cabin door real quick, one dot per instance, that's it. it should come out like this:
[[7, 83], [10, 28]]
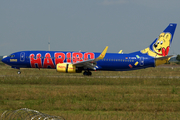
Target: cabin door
[[141, 61], [22, 56]]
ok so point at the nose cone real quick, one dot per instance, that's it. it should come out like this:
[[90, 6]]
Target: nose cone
[[4, 60]]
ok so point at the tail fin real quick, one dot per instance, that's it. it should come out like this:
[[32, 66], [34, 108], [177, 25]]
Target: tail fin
[[161, 45]]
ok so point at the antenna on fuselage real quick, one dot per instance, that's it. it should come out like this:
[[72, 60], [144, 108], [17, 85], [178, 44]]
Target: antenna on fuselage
[[49, 46]]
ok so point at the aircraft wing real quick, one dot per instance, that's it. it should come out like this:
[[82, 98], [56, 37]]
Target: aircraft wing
[[92, 62]]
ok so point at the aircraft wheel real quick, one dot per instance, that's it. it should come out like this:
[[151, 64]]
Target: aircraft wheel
[[19, 72], [84, 73], [89, 73]]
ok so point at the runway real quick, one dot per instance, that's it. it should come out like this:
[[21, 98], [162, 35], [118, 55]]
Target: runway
[[115, 77]]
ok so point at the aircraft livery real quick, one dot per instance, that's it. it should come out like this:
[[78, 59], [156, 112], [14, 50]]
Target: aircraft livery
[[76, 62]]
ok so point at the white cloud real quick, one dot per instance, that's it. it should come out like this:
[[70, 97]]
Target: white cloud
[[162, 4], [114, 2]]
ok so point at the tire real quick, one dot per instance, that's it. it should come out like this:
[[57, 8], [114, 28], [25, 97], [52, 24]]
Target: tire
[[19, 72]]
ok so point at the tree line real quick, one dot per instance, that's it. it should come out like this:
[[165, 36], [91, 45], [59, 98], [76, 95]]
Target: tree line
[[1, 57], [178, 59]]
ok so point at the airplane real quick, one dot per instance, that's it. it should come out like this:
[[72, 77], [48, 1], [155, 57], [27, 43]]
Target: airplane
[[76, 62]]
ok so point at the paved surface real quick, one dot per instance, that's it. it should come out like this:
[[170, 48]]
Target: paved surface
[[115, 77]]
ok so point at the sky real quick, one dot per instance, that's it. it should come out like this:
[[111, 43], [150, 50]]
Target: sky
[[86, 25]]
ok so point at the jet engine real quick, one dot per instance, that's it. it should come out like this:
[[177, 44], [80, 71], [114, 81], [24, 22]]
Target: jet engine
[[67, 68]]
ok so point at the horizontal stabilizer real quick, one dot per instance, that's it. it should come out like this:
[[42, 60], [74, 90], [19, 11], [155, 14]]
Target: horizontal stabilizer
[[162, 60]]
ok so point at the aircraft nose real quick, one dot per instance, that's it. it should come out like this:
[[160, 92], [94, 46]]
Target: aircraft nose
[[4, 59]]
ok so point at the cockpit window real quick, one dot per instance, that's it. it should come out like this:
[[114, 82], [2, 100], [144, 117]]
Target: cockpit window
[[12, 56]]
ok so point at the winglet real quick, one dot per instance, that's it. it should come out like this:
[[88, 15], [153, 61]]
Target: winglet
[[102, 55], [120, 52]]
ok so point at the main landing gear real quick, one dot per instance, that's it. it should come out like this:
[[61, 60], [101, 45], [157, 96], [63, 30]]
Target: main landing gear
[[87, 73]]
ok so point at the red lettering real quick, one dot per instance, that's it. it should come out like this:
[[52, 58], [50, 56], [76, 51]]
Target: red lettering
[[36, 61], [68, 59], [61, 67], [59, 58], [77, 57], [71, 68], [88, 55], [48, 61]]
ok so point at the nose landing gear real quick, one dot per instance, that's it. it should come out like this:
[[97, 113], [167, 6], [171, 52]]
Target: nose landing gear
[[19, 72]]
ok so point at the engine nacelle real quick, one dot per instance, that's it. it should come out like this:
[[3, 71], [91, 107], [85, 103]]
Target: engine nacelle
[[67, 68]]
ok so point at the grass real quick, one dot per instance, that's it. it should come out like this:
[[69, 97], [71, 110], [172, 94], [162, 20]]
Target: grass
[[152, 93]]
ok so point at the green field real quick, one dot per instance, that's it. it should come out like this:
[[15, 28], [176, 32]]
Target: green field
[[152, 93]]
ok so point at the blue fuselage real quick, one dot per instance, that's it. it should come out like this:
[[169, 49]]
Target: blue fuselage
[[49, 59]]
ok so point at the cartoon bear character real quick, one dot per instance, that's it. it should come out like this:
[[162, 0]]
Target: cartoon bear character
[[160, 47]]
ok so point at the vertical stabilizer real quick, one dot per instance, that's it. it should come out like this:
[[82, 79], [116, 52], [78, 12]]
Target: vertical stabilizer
[[161, 45]]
